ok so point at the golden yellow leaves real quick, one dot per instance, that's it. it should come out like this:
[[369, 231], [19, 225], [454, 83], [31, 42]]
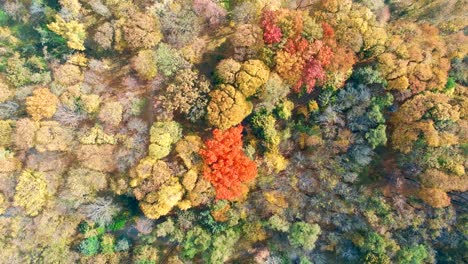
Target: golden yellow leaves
[[72, 31], [228, 107], [42, 104]]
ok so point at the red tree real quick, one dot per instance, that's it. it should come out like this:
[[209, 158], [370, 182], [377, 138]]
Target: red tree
[[225, 164], [271, 32], [313, 72]]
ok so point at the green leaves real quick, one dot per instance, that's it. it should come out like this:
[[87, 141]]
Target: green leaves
[[89, 246], [304, 235], [197, 241], [412, 255], [377, 136]]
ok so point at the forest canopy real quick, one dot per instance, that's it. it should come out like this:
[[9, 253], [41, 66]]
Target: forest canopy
[[233, 131]]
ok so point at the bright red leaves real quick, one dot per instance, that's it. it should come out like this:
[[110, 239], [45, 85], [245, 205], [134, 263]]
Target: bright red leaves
[[225, 164], [271, 32]]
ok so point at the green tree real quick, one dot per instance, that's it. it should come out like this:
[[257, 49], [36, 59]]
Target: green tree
[[302, 234], [89, 246], [377, 136], [196, 241], [168, 60], [223, 246], [412, 255]]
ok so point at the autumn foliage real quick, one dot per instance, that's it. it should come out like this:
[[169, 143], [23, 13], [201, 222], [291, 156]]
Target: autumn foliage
[[310, 55], [226, 165], [271, 32]]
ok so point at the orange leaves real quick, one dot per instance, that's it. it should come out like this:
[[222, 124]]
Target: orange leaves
[[226, 166], [415, 58], [42, 104], [305, 61], [435, 197]]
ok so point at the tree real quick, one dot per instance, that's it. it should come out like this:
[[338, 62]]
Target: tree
[[420, 115], [31, 192], [144, 63], [24, 133], [104, 35], [162, 136], [6, 132], [51, 136], [82, 186], [313, 74], [42, 104], [97, 157], [377, 136], [302, 234], [227, 107], [415, 58], [355, 25], [101, 211], [160, 203], [271, 32], [246, 41], [17, 73], [252, 75], [263, 124], [196, 241], [168, 60], [180, 28], [309, 54], [72, 31], [111, 113], [274, 92], [210, 10], [6, 93], [435, 197], [107, 244], [225, 164], [89, 246], [67, 74], [90, 102], [223, 246], [375, 249], [145, 254], [142, 30], [8, 162], [97, 136], [226, 71], [412, 255], [187, 94], [149, 175]]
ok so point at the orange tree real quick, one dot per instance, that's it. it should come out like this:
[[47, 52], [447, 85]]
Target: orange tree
[[225, 164]]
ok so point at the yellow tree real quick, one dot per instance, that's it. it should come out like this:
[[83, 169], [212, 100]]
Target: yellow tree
[[31, 192], [73, 31], [142, 30], [411, 121], [228, 107], [42, 104], [415, 58], [252, 75]]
